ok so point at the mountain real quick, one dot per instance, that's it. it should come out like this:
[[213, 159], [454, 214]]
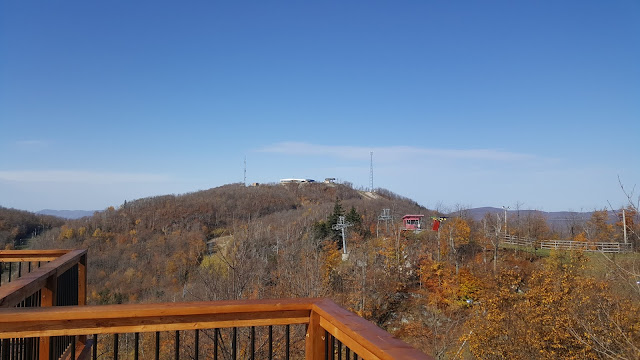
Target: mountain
[[67, 214], [161, 242], [551, 216]]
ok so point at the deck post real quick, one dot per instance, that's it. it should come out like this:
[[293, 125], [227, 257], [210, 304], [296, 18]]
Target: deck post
[[82, 288], [47, 299], [315, 338]]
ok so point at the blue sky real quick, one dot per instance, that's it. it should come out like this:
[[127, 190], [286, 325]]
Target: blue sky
[[472, 103]]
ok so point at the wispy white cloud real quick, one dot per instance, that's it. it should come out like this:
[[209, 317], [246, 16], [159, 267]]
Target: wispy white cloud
[[391, 153], [84, 177]]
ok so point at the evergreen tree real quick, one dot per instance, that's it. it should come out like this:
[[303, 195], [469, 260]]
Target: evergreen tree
[[354, 218], [335, 215]]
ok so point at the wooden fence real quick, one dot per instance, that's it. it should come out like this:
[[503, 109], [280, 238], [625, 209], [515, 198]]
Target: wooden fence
[[568, 245]]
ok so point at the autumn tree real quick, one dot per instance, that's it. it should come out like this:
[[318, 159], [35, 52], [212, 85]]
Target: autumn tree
[[457, 231], [557, 312], [492, 226], [598, 227]]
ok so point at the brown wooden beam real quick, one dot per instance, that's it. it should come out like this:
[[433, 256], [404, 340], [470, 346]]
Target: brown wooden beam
[[63, 325], [31, 255], [157, 309]]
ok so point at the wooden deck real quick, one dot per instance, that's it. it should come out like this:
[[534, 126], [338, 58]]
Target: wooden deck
[[322, 319]]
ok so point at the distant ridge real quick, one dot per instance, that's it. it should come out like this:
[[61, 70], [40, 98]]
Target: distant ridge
[[479, 213], [67, 214]]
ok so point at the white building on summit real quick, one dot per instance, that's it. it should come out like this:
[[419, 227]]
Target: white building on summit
[[296, 181]]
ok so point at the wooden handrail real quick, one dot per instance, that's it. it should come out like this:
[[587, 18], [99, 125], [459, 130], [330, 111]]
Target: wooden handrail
[[105, 319], [358, 334], [31, 255]]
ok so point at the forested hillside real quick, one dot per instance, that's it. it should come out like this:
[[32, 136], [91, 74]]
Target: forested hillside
[[452, 293], [16, 226], [158, 245]]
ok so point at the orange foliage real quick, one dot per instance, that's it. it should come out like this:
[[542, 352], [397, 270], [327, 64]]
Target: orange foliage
[[558, 312]]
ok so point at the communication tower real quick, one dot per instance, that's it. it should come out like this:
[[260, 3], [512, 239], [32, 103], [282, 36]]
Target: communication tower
[[371, 173]]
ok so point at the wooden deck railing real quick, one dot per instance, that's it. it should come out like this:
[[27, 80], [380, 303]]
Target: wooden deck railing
[[41, 279], [54, 274], [322, 317], [326, 330]]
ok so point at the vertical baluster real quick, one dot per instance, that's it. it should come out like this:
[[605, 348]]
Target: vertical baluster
[[348, 353], [33, 349], [215, 343], [10, 272], [22, 348], [76, 289], [253, 343], [333, 347], [270, 342], [20, 269], [197, 344], [136, 346], [234, 344], [95, 347], [115, 346], [4, 349], [326, 345], [287, 340], [157, 345], [177, 355], [73, 347], [339, 350], [29, 267]]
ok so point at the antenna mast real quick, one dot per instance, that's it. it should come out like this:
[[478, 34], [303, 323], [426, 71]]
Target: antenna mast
[[371, 173], [245, 170]]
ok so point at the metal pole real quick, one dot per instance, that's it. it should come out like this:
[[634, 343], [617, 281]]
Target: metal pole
[[505, 220], [344, 243], [624, 226]]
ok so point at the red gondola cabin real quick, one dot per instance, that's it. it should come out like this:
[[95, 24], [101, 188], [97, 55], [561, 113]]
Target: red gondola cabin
[[412, 222]]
